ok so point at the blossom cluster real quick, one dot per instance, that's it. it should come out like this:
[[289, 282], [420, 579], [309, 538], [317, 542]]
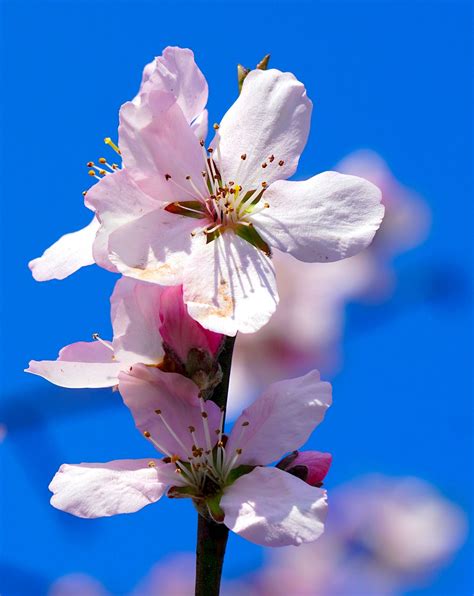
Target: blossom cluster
[[193, 229]]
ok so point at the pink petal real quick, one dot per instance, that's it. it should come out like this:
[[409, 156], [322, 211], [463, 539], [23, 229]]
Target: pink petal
[[200, 124], [180, 331], [146, 389], [280, 420], [67, 255], [326, 218], [102, 490], [79, 365], [229, 285], [157, 142], [177, 73], [310, 466], [273, 508], [135, 321], [143, 240], [271, 117]]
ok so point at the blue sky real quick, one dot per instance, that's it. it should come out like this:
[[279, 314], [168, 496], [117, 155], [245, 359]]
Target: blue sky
[[390, 76]]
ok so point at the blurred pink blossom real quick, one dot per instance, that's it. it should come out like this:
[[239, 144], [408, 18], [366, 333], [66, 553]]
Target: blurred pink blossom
[[384, 535]]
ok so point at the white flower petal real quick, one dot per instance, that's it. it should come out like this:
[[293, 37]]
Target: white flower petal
[[270, 117], [79, 365], [101, 490], [135, 320], [229, 285], [280, 420], [273, 508], [67, 255], [326, 218], [176, 72]]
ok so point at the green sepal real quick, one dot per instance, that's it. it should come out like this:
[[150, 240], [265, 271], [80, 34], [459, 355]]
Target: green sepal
[[181, 492], [182, 208], [212, 236], [263, 64], [242, 71], [250, 234], [214, 508], [237, 473]]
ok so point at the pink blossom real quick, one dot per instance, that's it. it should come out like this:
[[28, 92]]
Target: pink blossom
[[174, 72], [139, 312], [227, 477], [175, 215]]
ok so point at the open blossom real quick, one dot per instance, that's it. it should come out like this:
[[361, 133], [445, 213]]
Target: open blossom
[[150, 326], [178, 215], [174, 72], [227, 477]]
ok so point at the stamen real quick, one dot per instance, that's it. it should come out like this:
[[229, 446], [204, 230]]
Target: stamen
[[215, 228], [148, 436], [171, 431], [205, 424], [96, 337], [108, 141], [281, 162], [195, 188], [231, 465]]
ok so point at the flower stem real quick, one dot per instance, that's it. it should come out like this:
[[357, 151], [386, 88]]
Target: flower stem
[[211, 536]]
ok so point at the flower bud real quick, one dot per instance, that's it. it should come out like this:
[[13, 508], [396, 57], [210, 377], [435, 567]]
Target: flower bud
[[189, 347], [310, 466]]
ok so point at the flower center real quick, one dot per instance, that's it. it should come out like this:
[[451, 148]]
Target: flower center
[[207, 468], [225, 205]]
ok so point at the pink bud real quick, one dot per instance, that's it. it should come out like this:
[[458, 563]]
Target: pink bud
[[179, 331], [310, 466]]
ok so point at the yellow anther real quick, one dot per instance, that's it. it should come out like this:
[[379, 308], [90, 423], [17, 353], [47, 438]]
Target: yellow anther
[[151, 464], [102, 172], [108, 141], [91, 173], [146, 434], [102, 160], [215, 126], [90, 164], [84, 192]]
